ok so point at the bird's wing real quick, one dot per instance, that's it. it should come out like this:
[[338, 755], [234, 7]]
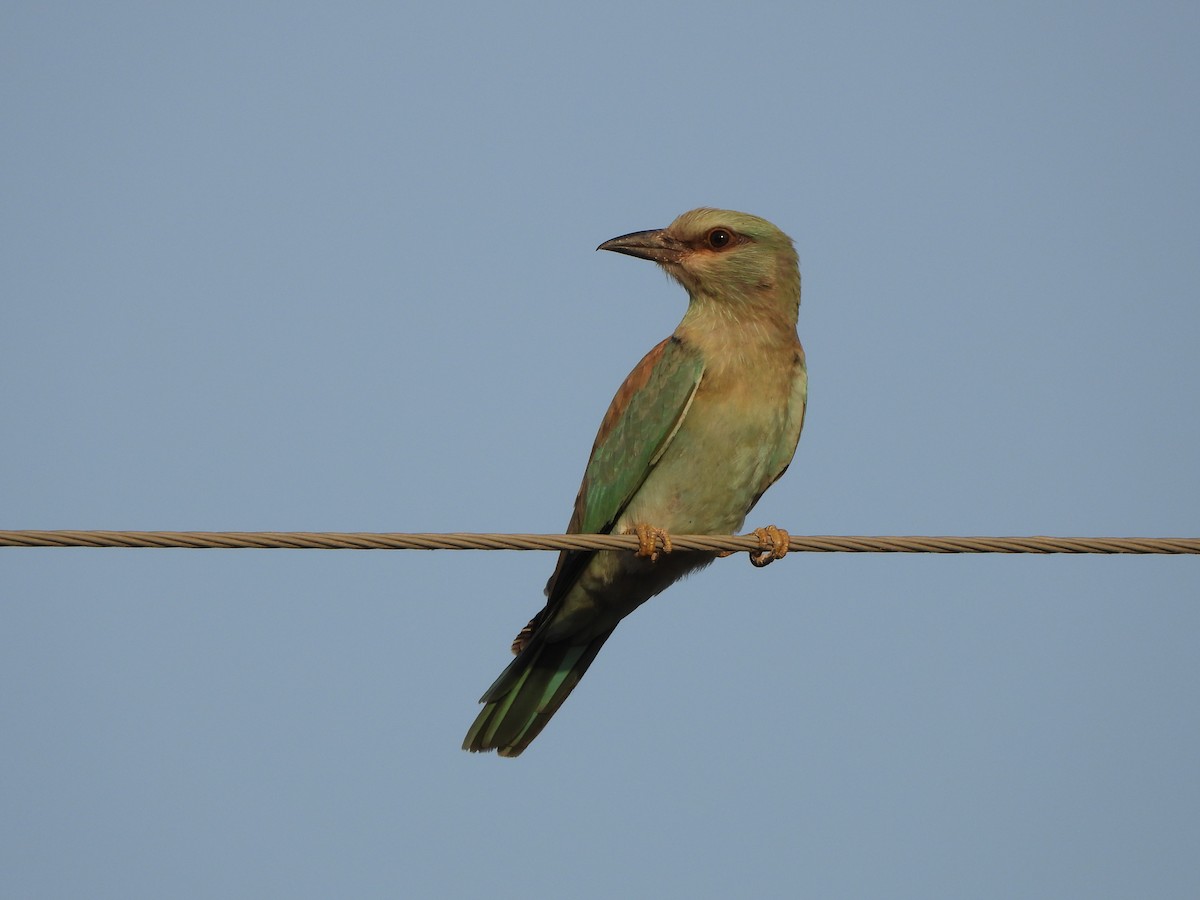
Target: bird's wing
[[639, 425]]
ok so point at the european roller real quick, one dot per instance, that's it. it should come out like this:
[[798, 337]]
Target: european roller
[[703, 425]]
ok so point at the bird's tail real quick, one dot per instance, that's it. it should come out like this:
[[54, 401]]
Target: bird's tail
[[522, 700]]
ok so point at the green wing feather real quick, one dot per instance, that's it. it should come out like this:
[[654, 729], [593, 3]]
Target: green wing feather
[[644, 418], [640, 422], [638, 427]]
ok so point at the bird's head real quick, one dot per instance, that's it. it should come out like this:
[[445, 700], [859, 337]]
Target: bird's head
[[721, 255]]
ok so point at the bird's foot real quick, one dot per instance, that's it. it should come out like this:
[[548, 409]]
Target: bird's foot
[[652, 542], [773, 544]]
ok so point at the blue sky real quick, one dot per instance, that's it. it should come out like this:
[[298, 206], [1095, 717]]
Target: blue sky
[[298, 267]]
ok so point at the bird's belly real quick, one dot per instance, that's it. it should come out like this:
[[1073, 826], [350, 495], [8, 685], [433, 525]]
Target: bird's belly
[[722, 458], [714, 468], [705, 483]]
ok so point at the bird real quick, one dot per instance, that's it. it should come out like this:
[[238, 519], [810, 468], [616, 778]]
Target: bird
[[702, 426]]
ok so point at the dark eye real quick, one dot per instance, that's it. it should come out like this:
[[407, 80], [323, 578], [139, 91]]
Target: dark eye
[[719, 238]]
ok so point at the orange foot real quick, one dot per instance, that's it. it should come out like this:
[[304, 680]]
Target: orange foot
[[773, 544], [648, 541]]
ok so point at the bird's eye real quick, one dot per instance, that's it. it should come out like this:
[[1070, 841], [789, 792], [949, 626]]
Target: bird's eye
[[719, 238]]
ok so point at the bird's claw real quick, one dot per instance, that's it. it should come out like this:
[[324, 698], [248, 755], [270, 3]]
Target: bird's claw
[[649, 539], [773, 544]]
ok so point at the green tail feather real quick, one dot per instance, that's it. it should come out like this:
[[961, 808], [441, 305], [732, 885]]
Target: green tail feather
[[522, 700]]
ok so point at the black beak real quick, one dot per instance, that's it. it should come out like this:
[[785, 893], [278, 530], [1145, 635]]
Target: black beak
[[655, 245]]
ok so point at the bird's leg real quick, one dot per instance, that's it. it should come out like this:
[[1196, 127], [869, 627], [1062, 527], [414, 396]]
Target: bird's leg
[[773, 544], [648, 539]]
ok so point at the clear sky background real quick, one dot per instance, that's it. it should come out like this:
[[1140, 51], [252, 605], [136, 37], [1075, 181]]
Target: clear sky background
[[330, 267]]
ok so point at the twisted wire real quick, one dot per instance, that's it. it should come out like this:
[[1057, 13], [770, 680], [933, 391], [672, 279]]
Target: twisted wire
[[334, 540]]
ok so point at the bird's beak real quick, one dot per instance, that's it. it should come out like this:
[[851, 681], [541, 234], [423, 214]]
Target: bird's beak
[[654, 245]]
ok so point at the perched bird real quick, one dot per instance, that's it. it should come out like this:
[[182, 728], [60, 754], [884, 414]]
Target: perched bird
[[704, 424]]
